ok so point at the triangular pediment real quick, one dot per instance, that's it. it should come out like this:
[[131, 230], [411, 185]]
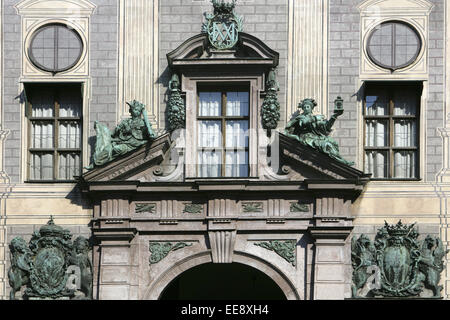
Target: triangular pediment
[[306, 163], [133, 166]]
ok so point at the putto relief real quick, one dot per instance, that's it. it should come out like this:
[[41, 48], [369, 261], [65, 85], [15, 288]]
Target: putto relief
[[396, 264], [50, 266]]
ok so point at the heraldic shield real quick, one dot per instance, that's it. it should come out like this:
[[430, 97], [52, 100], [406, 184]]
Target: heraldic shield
[[398, 253], [51, 246], [223, 26], [397, 264]]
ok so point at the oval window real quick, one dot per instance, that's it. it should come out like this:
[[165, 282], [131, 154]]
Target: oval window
[[55, 48], [393, 45]]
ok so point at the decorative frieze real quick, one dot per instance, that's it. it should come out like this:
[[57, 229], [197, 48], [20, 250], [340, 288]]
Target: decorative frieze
[[160, 250], [284, 248]]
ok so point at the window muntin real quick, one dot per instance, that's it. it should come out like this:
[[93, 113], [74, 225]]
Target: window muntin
[[391, 122], [55, 48], [223, 124], [393, 45], [55, 131]]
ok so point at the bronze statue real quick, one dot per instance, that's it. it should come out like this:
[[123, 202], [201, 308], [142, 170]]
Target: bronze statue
[[80, 258], [127, 136], [21, 265], [363, 256], [431, 263], [313, 130]]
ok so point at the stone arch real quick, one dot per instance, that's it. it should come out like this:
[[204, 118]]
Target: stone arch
[[287, 287]]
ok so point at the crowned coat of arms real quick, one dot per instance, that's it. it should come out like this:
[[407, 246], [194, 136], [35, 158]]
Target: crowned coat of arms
[[51, 266], [223, 26], [397, 264]]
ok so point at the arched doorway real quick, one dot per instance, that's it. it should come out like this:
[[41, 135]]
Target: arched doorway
[[233, 281]]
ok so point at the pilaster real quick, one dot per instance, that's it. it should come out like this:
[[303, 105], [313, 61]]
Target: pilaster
[[330, 279], [307, 55], [138, 56]]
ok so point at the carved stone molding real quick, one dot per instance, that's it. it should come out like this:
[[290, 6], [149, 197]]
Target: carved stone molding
[[160, 250], [222, 245], [283, 248]]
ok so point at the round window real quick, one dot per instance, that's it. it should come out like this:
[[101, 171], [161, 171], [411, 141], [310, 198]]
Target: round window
[[393, 45], [55, 48]]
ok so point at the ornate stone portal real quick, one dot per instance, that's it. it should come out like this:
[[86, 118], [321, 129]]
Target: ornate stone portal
[[51, 266], [292, 223], [397, 264]]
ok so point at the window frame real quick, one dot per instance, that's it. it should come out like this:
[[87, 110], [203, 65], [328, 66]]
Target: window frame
[[393, 37], [223, 88], [55, 120], [390, 88], [48, 26]]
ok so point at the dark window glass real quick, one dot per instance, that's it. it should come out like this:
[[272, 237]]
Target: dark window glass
[[55, 131], [393, 45], [55, 48], [391, 125], [223, 124]]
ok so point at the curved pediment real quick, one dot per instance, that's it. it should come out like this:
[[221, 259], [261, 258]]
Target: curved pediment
[[248, 50]]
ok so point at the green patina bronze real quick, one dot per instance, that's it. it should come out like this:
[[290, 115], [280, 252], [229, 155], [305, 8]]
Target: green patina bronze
[[176, 111], [223, 26], [42, 264], [313, 130], [252, 207], [159, 250], [397, 264], [270, 110], [127, 136], [80, 257], [145, 207], [193, 208], [284, 248], [299, 207]]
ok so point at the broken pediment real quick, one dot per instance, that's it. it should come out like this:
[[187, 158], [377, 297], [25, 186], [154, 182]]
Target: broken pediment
[[135, 165], [304, 163]]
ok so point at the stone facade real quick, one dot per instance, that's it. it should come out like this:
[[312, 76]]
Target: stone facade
[[222, 232]]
